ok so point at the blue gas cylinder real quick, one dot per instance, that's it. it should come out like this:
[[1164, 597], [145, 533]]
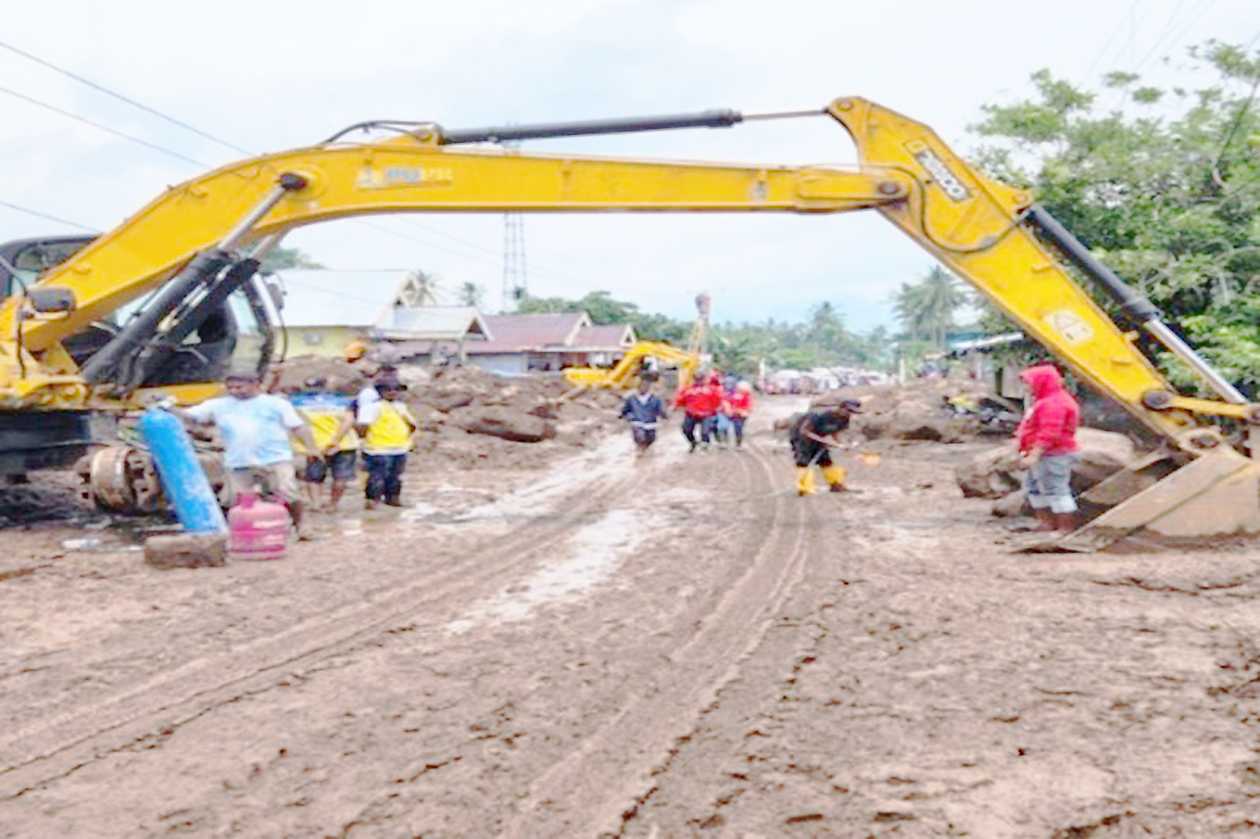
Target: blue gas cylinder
[[183, 480]]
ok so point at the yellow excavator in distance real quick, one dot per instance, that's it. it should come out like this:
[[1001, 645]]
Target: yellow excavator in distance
[[625, 373], [165, 301]]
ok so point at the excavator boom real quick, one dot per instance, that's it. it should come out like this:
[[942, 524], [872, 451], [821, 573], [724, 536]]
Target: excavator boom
[[992, 235]]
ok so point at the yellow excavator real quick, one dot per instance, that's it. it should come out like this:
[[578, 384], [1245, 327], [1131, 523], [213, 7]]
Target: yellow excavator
[[625, 373], [166, 300], [647, 354]]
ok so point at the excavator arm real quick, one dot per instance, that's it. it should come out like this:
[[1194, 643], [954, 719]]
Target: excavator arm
[[625, 372], [988, 233]]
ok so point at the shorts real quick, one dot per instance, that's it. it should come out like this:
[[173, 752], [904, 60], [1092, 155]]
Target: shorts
[[643, 436], [806, 452], [1049, 484], [275, 479], [341, 464]]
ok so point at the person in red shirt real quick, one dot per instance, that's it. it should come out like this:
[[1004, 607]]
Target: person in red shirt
[[1047, 445], [739, 407], [700, 402]]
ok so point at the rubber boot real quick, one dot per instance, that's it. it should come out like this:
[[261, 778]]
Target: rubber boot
[[835, 478], [804, 481]]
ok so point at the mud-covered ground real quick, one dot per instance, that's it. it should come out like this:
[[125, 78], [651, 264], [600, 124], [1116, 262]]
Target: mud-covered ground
[[591, 646]]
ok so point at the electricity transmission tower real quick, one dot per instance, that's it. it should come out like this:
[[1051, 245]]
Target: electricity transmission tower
[[515, 275], [515, 278]]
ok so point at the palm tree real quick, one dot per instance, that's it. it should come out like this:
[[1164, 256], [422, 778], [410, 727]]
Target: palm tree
[[420, 289], [926, 309], [470, 294]]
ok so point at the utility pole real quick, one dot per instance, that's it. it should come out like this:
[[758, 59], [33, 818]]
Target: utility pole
[[515, 275]]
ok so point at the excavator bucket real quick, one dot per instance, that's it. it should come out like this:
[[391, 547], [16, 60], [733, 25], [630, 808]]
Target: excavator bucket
[[1217, 495]]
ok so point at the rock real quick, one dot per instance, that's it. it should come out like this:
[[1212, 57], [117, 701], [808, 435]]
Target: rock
[[447, 400], [186, 550], [929, 428], [1012, 505], [545, 410], [995, 473], [504, 423], [1103, 453], [991, 474]]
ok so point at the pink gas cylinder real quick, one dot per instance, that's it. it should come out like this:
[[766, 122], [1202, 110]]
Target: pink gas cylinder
[[257, 529]]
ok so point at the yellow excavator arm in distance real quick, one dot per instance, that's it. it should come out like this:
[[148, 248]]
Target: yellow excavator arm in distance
[[625, 373]]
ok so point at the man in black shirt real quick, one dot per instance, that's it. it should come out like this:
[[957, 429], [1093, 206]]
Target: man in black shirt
[[812, 437]]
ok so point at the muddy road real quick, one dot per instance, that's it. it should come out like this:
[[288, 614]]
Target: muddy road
[[676, 647]]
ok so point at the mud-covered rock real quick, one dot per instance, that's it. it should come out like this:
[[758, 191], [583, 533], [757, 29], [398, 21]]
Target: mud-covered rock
[[1103, 453], [935, 429], [996, 472], [991, 474], [504, 423], [1012, 505], [186, 550]]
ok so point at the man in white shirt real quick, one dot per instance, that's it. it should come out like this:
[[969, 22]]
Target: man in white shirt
[[255, 428]]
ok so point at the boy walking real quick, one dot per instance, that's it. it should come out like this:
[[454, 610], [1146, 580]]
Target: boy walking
[[388, 430], [1048, 448], [643, 409], [332, 422]]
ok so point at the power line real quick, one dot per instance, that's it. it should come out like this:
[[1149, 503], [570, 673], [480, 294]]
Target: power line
[[102, 127], [46, 216], [122, 98], [1115, 32]]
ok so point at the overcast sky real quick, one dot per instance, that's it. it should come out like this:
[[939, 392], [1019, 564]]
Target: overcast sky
[[272, 75]]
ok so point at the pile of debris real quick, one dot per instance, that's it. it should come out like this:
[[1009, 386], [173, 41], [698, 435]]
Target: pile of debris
[[925, 410], [996, 473], [471, 416]]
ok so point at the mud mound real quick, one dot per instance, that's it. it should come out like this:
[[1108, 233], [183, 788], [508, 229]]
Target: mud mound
[[342, 378], [996, 473], [50, 496], [918, 411]]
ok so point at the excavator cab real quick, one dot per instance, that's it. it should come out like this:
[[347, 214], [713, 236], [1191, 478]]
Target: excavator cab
[[234, 332]]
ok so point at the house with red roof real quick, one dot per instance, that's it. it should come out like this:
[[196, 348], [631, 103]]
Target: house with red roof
[[521, 344]]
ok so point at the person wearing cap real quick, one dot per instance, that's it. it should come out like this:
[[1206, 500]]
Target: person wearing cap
[[332, 424], [256, 428], [812, 437], [388, 430]]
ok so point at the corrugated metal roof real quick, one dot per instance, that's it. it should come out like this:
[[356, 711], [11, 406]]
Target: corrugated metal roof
[[518, 333], [435, 323], [606, 337]]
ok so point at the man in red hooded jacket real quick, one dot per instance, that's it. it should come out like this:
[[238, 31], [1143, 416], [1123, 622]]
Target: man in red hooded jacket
[[1048, 449]]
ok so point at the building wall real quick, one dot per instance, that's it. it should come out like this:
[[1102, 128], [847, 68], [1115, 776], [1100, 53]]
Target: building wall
[[513, 364], [324, 341]]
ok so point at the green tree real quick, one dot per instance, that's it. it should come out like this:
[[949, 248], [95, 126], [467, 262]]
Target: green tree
[[423, 288], [927, 308], [280, 259], [1169, 198]]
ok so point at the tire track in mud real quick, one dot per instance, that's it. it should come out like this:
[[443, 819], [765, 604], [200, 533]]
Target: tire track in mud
[[54, 748], [611, 772]]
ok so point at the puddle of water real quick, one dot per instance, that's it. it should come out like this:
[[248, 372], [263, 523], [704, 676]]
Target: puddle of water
[[594, 553]]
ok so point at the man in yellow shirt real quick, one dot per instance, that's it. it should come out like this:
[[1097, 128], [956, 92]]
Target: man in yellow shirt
[[388, 430], [332, 422]]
